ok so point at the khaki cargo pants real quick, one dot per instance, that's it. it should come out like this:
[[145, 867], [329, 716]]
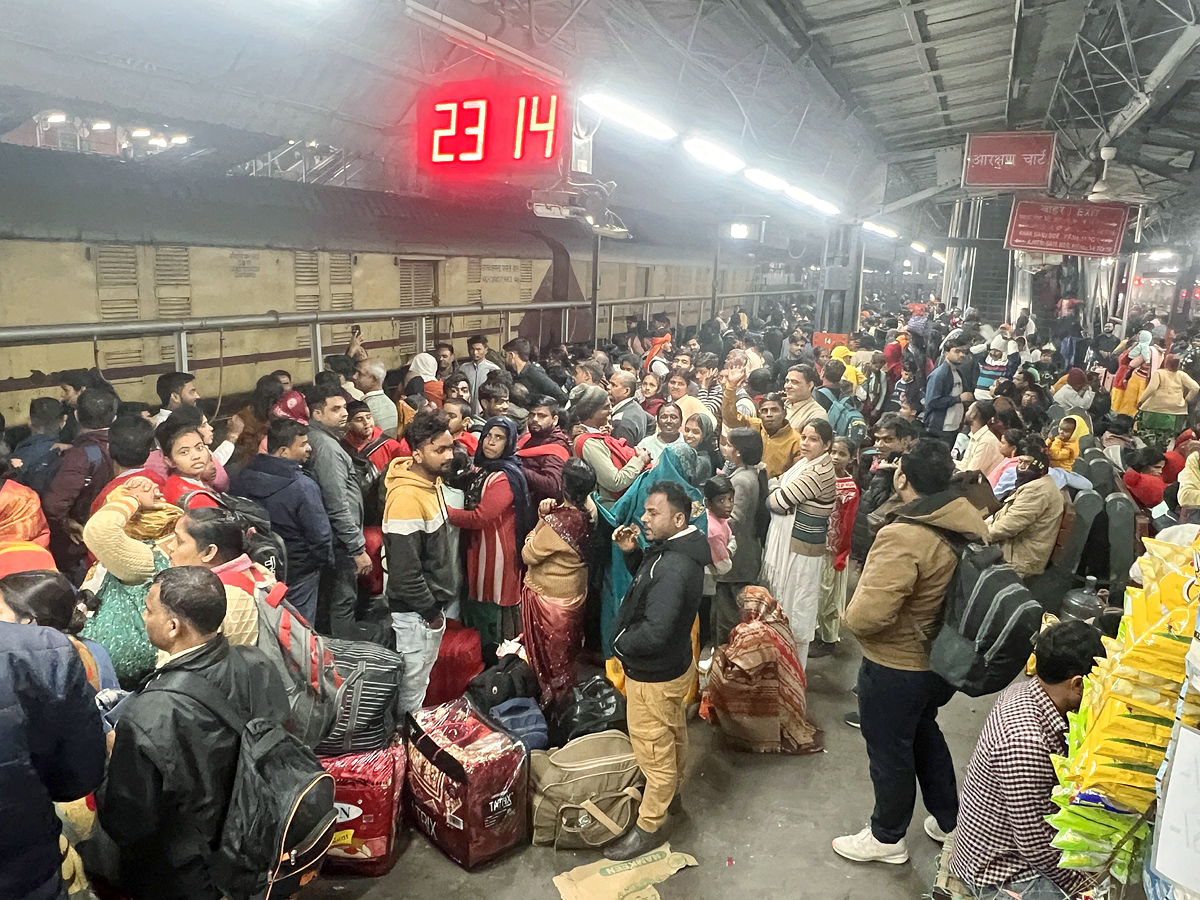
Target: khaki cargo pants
[[657, 716]]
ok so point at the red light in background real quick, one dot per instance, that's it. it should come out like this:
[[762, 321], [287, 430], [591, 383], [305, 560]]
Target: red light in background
[[490, 127], [1137, 282], [1195, 294]]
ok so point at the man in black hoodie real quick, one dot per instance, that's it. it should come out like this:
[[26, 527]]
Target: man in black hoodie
[[293, 501], [654, 645]]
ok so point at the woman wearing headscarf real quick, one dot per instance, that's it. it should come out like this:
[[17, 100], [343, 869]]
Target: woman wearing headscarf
[[21, 516], [795, 551], [1163, 405], [553, 595], [424, 368], [699, 434], [291, 405], [257, 418], [498, 516], [1136, 366], [757, 691], [617, 465]]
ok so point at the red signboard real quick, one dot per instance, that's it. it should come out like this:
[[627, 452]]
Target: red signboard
[[829, 339], [1009, 160], [492, 127], [1073, 227]]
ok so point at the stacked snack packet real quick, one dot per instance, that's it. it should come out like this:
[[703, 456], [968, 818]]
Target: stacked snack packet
[[1117, 740]]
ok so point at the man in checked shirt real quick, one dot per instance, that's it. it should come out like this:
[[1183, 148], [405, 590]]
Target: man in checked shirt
[[1002, 843]]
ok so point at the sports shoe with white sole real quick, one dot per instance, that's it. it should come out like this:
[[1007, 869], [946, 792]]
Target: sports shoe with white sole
[[932, 829], [863, 847]]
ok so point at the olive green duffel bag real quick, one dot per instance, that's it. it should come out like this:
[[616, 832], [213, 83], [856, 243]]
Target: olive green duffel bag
[[584, 794]]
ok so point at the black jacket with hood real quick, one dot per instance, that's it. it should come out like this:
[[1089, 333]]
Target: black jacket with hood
[[170, 776], [293, 501], [654, 624]]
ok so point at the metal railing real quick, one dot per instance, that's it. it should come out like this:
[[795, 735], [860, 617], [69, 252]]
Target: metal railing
[[179, 329]]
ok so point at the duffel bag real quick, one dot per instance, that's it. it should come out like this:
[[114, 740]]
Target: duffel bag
[[585, 794], [370, 713], [587, 708], [510, 677], [522, 718]]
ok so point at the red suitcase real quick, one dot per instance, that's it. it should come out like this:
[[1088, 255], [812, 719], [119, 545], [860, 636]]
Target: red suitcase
[[467, 784], [459, 660], [369, 788]]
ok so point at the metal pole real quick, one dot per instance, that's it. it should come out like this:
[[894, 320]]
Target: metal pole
[[422, 324], [716, 273], [181, 351], [314, 345], [596, 292], [1133, 264]]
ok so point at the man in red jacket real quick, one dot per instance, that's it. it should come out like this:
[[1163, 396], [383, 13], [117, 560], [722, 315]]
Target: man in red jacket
[[364, 440], [542, 451]]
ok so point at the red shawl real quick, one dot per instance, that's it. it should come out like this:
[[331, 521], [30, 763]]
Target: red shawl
[[656, 346], [620, 451]]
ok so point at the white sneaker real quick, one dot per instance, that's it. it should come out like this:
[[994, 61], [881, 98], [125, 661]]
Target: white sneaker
[[932, 829], [863, 847]]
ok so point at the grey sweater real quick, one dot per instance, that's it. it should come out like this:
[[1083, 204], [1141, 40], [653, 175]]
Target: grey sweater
[[332, 469]]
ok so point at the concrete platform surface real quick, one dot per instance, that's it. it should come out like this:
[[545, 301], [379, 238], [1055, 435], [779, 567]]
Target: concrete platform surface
[[760, 826]]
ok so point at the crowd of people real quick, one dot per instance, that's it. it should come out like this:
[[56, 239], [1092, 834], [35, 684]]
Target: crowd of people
[[676, 505]]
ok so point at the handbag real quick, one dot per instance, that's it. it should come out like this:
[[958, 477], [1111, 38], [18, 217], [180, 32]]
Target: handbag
[[587, 708]]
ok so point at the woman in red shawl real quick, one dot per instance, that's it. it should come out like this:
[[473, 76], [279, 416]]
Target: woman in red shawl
[[555, 588], [756, 691], [21, 516]]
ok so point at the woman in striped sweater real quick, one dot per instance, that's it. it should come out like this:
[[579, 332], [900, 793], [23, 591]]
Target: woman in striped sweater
[[795, 552]]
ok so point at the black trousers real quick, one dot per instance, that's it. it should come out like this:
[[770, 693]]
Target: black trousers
[[905, 748]]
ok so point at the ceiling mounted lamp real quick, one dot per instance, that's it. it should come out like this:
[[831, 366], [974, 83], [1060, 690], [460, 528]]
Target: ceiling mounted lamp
[[620, 113], [102, 126], [140, 133], [55, 118], [918, 247], [881, 230], [179, 139], [713, 156], [938, 257], [159, 141], [766, 180], [824, 207]]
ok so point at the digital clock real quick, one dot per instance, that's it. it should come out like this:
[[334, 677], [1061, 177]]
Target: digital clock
[[492, 127]]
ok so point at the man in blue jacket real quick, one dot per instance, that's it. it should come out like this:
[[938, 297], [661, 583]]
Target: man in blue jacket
[[293, 501], [51, 750], [947, 394]]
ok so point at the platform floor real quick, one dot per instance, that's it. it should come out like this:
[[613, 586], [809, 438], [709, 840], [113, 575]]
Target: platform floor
[[760, 826]]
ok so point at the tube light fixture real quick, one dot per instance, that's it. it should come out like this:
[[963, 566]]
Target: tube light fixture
[[766, 180], [939, 257], [159, 141], [1156, 255], [881, 230], [622, 114], [55, 118], [908, 264], [179, 139], [918, 246], [713, 156], [101, 126], [804, 197], [140, 133]]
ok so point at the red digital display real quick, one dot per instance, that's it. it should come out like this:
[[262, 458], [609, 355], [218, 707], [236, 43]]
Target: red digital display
[[492, 127]]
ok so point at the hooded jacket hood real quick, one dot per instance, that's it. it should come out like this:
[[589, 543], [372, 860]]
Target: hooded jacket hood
[[947, 510], [266, 476]]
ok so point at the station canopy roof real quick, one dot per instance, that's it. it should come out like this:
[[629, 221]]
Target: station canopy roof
[[854, 101]]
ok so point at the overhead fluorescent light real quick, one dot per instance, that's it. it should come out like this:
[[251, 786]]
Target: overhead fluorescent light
[[739, 231], [1156, 255], [179, 139], [101, 126], [918, 246], [939, 257], [140, 133], [713, 156], [822, 206], [881, 230], [55, 118], [908, 264], [159, 141], [766, 180], [623, 115]]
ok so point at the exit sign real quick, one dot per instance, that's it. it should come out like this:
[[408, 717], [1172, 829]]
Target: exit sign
[[495, 127]]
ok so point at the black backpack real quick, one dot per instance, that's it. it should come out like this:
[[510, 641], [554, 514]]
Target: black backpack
[[40, 474], [263, 545], [989, 619], [280, 819], [369, 478], [510, 677]]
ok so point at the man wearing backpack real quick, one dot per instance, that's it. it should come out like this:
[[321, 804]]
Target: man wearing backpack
[[895, 613], [171, 773], [293, 501], [83, 471], [39, 458]]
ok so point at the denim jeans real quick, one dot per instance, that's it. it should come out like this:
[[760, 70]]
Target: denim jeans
[[905, 747], [1039, 888], [418, 644], [302, 594]]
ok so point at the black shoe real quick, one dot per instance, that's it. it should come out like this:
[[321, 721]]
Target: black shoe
[[852, 719], [635, 843], [819, 649]]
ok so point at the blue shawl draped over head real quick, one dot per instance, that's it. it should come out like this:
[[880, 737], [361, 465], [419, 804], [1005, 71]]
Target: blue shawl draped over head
[[674, 464], [511, 467]]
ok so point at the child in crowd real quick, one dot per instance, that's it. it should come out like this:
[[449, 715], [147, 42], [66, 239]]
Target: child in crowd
[[718, 497], [1063, 448], [459, 413], [834, 576]]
